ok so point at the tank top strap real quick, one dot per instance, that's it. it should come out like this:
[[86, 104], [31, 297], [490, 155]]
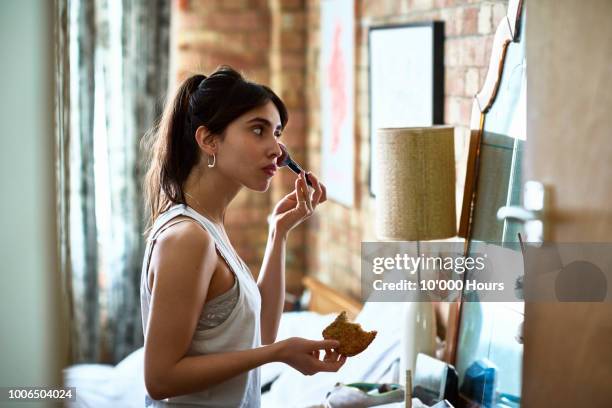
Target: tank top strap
[[228, 253], [161, 220]]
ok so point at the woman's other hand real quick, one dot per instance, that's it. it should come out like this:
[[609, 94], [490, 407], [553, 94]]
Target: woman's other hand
[[298, 205], [304, 355]]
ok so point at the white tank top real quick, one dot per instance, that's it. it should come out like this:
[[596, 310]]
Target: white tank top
[[240, 331]]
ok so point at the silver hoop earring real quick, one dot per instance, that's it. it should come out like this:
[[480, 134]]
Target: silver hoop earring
[[213, 163]]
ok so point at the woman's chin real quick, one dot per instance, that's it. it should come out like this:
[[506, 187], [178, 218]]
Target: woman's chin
[[260, 186]]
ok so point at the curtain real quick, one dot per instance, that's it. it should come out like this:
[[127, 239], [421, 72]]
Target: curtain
[[118, 59]]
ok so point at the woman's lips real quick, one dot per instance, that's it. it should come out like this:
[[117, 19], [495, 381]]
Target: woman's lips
[[269, 170]]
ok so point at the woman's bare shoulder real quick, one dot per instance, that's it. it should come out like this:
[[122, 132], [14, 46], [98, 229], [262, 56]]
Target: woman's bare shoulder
[[182, 227], [184, 244]]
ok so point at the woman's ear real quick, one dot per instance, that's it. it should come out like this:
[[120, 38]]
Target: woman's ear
[[206, 140]]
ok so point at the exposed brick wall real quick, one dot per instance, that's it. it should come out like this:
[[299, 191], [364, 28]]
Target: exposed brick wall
[[335, 235], [277, 42]]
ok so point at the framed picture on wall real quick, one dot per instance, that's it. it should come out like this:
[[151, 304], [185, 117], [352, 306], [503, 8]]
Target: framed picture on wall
[[337, 66], [406, 75]]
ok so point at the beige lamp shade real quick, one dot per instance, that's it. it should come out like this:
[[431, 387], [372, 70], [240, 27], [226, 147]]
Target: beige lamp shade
[[415, 172]]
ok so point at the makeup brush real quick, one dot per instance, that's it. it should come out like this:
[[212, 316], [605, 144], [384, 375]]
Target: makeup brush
[[285, 160]]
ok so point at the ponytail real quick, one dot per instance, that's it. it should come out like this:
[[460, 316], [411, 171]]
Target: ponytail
[[165, 176]]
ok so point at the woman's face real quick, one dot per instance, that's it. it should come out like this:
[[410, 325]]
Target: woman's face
[[247, 154]]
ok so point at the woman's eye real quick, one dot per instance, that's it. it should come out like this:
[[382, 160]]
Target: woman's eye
[[278, 133], [258, 130]]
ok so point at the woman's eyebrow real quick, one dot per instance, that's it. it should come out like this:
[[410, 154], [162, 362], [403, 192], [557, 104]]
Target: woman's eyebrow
[[264, 121]]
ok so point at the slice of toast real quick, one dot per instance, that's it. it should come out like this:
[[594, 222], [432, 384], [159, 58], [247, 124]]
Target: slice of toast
[[353, 339]]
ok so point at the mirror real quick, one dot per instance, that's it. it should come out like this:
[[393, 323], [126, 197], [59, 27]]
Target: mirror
[[489, 340]]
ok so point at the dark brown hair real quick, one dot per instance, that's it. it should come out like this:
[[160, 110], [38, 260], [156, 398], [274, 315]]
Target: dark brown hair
[[214, 101]]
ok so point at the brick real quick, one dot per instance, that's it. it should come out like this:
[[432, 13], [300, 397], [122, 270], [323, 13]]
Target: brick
[[259, 40], [472, 51], [192, 62], [204, 40], [293, 21], [292, 96], [482, 73], [239, 61], [292, 61], [296, 143], [235, 4], [456, 112], [487, 50], [297, 118], [421, 4], [290, 40], [247, 215], [260, 75], [469, 18], [243, 20], [498, 14], [313, 14], [441, 4], [201, 5], [454, 81], [375, 8], [187, 21], [472, 82], [450, 25], [452, 51], [292, 81], [485, 19], [400, 7], [260, 4]]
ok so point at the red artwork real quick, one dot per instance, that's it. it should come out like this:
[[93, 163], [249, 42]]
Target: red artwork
[[337, 88]]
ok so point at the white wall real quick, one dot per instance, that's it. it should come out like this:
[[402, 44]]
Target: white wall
[[32, 343]]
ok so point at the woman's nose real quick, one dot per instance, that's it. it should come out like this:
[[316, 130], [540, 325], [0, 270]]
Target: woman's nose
[[277, 151]]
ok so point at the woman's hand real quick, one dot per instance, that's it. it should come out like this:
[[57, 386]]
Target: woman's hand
[[303, 355], [298, 205]]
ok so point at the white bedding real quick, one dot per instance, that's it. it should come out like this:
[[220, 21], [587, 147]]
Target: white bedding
[[292, 389], [123, 385]]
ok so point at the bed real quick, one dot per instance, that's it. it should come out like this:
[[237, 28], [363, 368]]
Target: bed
[[122, 385]]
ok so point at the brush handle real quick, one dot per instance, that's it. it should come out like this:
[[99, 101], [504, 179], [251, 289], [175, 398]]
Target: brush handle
[[297, 170]]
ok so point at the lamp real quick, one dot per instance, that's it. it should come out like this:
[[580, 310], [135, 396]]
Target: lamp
[[415, 201]]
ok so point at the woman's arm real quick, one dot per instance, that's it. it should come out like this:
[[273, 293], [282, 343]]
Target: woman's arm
[[271, 283], [195, 373], [294, 208]]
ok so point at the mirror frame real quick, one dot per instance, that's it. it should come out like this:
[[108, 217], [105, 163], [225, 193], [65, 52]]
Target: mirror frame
[[507, 31]]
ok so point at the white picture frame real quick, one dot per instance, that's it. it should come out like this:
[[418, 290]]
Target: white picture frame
[[337, 91]]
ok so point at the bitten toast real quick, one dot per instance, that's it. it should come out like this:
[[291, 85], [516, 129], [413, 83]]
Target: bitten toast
[[353, 339]]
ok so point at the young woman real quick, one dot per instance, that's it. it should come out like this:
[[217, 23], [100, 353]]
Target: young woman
[[208, 324]]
